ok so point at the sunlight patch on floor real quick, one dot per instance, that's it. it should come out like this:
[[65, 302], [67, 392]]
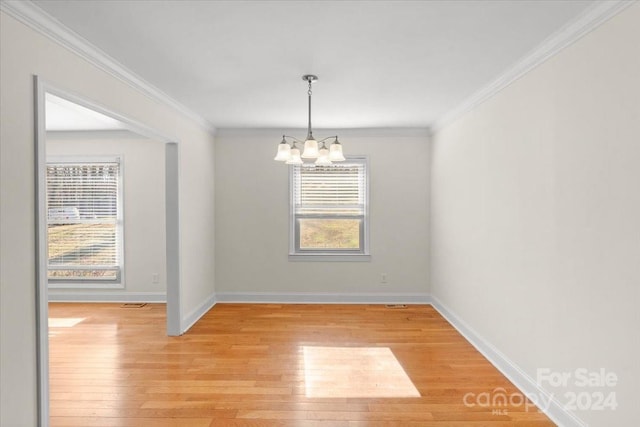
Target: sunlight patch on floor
[[64, 322], [351, 372]]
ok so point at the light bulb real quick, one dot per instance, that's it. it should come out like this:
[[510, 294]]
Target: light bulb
[[284, 152], [335, 153], [295, 157], [310, 149], [323, 157]]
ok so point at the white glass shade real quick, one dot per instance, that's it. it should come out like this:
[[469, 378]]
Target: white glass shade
[[310, 149], [335, 153], [294, 159], [284, 152], [323, 157]]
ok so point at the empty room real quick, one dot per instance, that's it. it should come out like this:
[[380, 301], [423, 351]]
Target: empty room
[[319, 213]]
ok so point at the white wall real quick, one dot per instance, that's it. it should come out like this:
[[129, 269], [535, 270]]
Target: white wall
[[536, 215], [143, 169], [252, 218], [25, 53]]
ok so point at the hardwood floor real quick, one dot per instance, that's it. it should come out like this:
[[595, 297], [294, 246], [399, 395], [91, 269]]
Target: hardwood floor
[[269, 364]]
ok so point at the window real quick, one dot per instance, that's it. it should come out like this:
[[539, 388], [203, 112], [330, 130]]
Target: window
[[329, 211], [84, 220]]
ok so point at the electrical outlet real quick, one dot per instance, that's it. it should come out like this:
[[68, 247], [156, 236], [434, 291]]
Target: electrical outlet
[[384, 278], [155, 278]]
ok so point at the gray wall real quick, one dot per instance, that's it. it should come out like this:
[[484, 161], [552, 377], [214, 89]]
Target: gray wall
[[252, 218], [26, 53], [143, 202], [536, 216]]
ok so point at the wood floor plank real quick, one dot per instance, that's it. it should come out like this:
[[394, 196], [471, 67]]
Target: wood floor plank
[[271, 365], [76, 421]]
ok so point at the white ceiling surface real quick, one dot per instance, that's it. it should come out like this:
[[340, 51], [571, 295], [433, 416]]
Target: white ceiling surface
[[63, 115], [381, 63]]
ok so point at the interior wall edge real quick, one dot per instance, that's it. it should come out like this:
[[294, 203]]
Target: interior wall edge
[[40, 21], [193, 316], [342, 132], [591, 19], [544, 401]]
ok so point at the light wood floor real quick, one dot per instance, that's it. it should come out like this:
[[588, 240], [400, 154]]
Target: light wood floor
[[268, 364]]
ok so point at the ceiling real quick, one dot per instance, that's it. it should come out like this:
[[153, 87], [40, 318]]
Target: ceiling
[[380, 63]]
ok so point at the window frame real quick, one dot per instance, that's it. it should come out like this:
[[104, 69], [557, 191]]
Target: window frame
[[361, 254], [83, 283]]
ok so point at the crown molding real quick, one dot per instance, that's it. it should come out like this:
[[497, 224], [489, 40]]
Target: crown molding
[[342, 132], [37, 19], [589, 20], [40, 21]]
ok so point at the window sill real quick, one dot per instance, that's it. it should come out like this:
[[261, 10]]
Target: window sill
[[330, 257]]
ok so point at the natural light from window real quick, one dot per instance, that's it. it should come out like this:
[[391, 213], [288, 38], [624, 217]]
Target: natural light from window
[[64, 322], [58, 324], [352, 372]]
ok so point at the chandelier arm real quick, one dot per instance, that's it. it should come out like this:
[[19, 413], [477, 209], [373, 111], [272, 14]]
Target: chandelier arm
[[294, 138], [329, 137]]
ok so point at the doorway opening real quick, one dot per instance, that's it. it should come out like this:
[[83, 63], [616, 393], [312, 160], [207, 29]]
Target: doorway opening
[[65, 114]]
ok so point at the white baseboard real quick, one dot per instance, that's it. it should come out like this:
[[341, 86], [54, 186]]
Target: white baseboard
[[527, 385], [121, 296], [195, 314], [324, 298]]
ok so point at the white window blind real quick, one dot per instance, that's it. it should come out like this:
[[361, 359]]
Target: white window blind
[[329, 209], [83, 221], [338, 189]]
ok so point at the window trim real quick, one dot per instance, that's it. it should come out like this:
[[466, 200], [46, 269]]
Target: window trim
[[87, 284], [331, 255]]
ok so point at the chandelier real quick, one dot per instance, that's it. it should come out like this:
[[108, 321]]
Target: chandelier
[[289, 152]]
